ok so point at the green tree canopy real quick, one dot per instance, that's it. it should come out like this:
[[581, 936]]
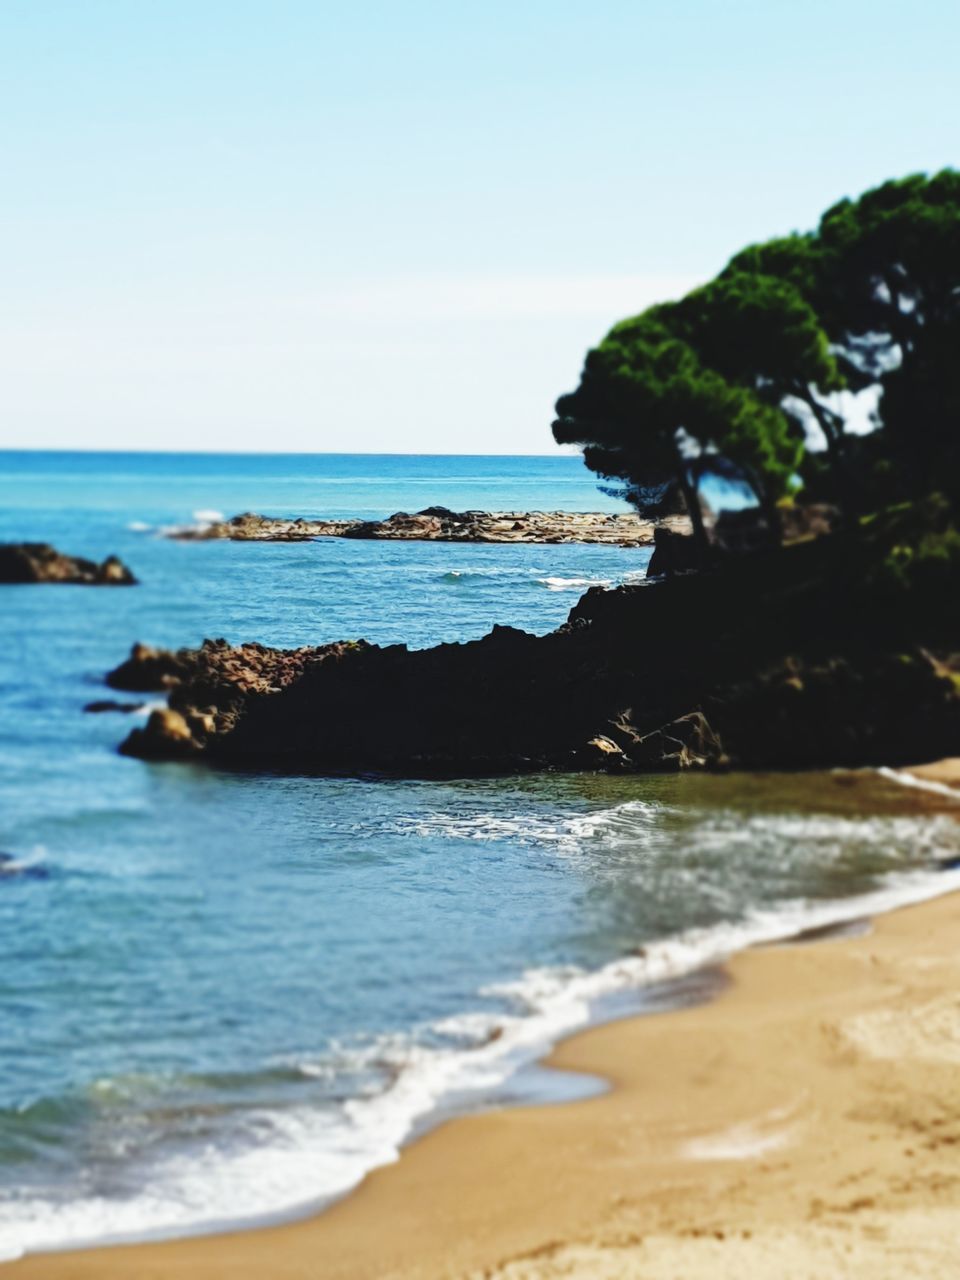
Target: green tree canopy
[[730, 375], [648, 412]]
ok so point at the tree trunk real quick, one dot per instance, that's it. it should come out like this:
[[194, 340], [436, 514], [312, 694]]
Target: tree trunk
[[766, 505], [841, 476], [691, 497]]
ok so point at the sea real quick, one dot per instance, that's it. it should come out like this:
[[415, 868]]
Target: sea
[[225, 997]]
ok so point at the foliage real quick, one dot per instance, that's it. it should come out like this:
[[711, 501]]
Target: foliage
[[913, 550], [650, 411], [730, 377]]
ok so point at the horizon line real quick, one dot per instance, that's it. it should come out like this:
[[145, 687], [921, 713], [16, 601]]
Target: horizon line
[[281, 453]]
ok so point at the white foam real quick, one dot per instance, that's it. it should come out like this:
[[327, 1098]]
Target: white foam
[[574, 584], [20, 866], [532, 827], [202, 520], [580, 584], [539, 577], [295, 1160], [275, 1163], [906, 779], [138, 526]]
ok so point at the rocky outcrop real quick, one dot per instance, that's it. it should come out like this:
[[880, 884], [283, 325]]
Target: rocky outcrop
[[689, 671], [438, 524], [31, 562], [150, 670], [168, 736], [673, 552]]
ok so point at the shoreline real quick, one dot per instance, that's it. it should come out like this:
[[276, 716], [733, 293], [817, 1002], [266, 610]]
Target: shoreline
[[487, 1171]]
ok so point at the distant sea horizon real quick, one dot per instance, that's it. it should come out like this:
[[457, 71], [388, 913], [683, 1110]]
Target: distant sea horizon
[[558, 451]]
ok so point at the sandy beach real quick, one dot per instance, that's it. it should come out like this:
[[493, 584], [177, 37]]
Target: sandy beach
[[802, 1124]]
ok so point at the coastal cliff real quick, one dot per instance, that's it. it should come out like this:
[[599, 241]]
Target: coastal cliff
[[794, 658]]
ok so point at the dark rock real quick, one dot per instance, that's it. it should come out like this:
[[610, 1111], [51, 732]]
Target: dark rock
[[150, 670], [673, 552], [33, 562], [167, 736], [602, 753], [108, 704], [686, 743], [785, 659], [740, 532], [444, 513], [733, 533]]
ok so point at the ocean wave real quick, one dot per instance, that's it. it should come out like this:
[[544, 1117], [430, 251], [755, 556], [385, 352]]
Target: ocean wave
[[538, 577], [138, 526], [532, 826], [629, 578], [201, 520], [30, 866], [280, 1163], [573, 584], [489, 573]]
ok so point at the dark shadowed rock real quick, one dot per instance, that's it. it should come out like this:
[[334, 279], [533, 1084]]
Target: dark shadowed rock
[[33, 562], [688, 671], [166, 736], [686, 743], [734, 533], [101, 705], [150, 670], [673, 552]]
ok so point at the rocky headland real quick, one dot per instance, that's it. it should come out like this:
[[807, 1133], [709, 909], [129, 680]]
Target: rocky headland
[[791, 658], [26, 562], [438, 524]]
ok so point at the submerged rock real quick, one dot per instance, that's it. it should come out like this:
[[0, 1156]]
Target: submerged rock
[[32, 562], [102, 705]]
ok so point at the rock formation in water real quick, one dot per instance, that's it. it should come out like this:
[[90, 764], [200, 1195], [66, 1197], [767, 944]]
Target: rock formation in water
[[26, 562], [106, 705], [150, 670], [438, 524], [786, 659]]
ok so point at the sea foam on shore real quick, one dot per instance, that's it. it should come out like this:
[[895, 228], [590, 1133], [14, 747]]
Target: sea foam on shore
[[404, 1084]]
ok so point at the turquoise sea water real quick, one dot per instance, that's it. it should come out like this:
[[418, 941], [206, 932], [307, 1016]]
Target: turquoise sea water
[[227, 996]]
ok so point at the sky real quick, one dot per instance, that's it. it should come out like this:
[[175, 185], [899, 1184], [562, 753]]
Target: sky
[[397, 227]]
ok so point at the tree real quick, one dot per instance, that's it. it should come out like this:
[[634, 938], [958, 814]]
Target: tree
[[728, 376], [882, 274], [648, 412], [760, 332]]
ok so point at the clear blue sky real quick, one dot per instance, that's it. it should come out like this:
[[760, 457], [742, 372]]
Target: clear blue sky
[[241, 224]]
